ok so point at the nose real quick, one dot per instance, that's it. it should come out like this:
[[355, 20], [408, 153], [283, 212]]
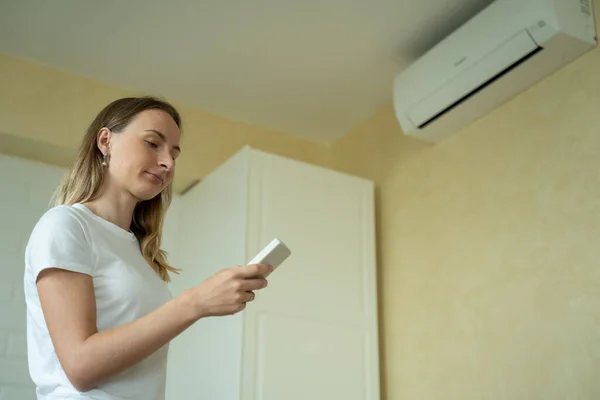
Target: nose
[[166, 161]]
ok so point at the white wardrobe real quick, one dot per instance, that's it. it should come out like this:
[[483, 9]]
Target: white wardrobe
[[312, 333]]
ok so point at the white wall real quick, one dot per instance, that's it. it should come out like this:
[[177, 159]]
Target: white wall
[[208, 240], [25, 191]]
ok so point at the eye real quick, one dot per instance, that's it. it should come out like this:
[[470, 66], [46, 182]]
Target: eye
[[151, 144]]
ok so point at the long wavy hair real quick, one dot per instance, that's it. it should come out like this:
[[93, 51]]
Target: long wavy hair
[[84, 178]]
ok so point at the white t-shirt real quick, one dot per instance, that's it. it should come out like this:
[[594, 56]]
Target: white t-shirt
[[126, 288]]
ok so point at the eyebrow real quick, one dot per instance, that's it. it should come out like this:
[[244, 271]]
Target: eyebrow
[[164, 138]]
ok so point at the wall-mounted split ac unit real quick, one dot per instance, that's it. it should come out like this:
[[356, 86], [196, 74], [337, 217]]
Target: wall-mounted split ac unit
[[499, 53]]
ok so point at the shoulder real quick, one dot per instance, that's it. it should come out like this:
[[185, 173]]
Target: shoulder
[[59, 224], [63, 213], [60, 239], [61, 218]]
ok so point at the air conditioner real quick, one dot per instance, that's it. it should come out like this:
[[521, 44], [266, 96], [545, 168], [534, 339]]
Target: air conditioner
[[499, 53]]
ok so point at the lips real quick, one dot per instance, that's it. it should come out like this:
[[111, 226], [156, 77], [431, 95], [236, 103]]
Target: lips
[[156, 178]]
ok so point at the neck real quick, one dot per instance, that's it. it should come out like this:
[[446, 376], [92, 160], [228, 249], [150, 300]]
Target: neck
[[114, 207]]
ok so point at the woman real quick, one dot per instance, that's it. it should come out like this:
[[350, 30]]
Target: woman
[[99, 313]]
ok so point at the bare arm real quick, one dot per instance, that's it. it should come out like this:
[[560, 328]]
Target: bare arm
[[89, 357]]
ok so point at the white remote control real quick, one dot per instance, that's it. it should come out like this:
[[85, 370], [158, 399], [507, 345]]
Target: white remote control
[[273, 254]]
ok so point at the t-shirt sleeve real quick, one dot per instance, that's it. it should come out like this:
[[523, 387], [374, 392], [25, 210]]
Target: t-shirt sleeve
[[58, 240]]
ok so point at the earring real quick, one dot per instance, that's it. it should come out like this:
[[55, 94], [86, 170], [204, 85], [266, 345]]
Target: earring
[[104, 164]]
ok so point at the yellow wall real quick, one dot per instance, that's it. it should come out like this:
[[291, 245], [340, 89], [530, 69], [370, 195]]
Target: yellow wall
[[489, 247], [44, 112]]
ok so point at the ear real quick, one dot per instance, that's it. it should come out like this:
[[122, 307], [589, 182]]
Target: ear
[[103, 140]]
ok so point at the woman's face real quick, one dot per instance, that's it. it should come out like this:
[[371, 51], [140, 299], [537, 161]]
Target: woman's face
[[142, 156]]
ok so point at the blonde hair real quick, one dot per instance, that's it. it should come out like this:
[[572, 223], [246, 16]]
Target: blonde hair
[[84, 178]]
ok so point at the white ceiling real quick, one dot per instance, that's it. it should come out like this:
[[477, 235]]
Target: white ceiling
[[308, 68]]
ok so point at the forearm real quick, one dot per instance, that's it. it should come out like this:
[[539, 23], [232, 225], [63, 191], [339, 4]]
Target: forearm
[[109, 352]]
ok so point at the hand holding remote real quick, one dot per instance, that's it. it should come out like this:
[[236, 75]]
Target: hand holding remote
[[228, 291]]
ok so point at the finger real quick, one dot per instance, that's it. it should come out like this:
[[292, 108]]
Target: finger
[[250, 284], [243, 298], [255, 270], [238, 308], [249, 297]]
